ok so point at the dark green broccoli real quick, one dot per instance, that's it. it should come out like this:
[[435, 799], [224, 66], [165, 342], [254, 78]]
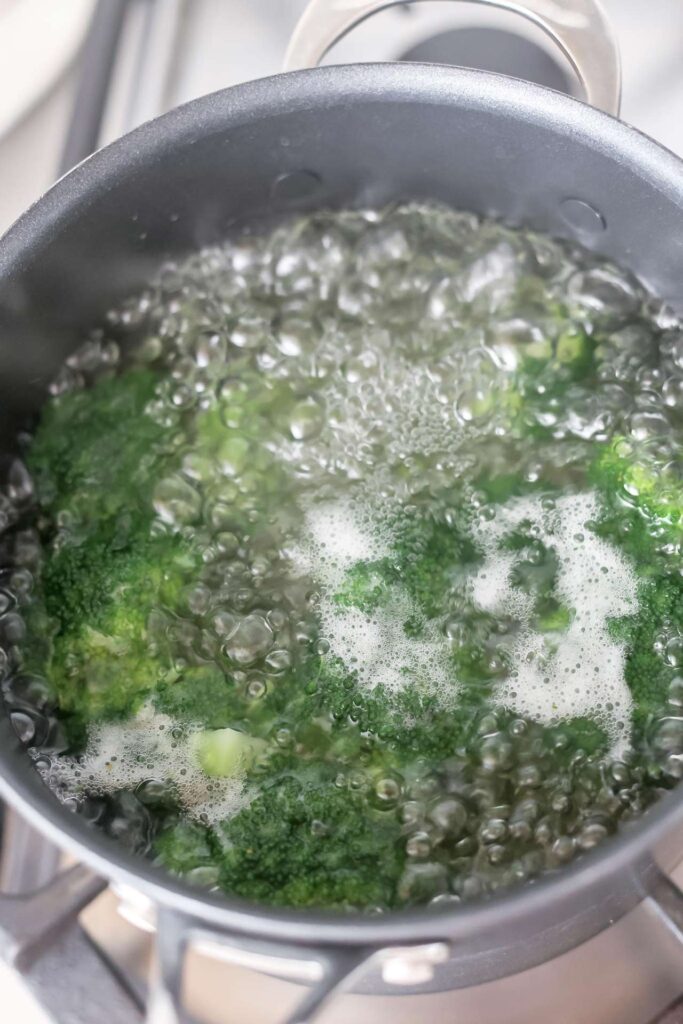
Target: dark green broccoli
[[97, 455], [641, 494], [201, 694], [298, 844], [642, 506], [89, 630], [648, 672], [185, 846]]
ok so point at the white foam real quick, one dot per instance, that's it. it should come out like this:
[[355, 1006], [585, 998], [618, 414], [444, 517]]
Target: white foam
[[581, 672], [122, 755], [375, 645], [338, 536]]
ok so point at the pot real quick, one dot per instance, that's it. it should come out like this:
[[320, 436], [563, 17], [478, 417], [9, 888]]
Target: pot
[[336, 137]]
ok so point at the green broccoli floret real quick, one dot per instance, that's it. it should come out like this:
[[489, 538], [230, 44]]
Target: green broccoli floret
[[200, 694], [92, 626], [184, 846], [639, 491], [94, 583], [298, 844], [647, 671], [366, 585], [96, 457], [642, 505], [97, 454]]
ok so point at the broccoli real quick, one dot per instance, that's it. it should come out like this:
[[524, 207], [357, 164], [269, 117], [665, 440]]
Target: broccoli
[[112, 602], [648, 673], [642, 506], [200, 694], [89, 629], [96, 454], [299, 843], [96, 457], [112, 585], [184, 846], [639, 492]]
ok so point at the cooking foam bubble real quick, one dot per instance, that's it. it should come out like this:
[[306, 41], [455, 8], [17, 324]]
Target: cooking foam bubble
[[374, 644], [581, 672], [122, 755]]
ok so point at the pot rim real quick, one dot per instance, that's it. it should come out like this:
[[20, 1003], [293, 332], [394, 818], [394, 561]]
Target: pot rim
[[316, 89]]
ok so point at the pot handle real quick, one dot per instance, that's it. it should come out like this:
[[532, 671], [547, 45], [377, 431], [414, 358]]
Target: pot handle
[[579, 28], [327, 971]]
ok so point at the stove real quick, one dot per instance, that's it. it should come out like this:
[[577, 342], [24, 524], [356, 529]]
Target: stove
[[143, 57]]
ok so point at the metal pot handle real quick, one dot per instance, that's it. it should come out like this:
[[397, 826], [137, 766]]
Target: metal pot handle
[[579, 28], [328, 971]]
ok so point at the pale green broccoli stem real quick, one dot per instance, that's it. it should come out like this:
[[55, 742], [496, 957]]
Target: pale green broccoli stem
[[570, 346], [223, 753]]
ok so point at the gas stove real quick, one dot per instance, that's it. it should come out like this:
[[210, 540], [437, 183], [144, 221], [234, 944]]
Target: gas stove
[[143, 57]]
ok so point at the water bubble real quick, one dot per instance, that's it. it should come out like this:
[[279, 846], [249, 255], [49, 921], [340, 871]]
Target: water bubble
[[444, 899], [19, 483], [674, 651], [12, 628], [256, 688], [249, 640], [449, 816], [493, 830], [603, 290], [591, 835], [204, 876], [648, 424], [496, 753], [672, 392], [677, 351], [292, 338], [176, 502], [234, 455], [412, 812], [668, 737], [421, 882], [563, 849], [387, 791], [250, 332], [676, 691], [278, 660], [306, 420], [23, 725]]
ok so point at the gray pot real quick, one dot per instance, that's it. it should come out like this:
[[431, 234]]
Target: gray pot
[[334, 137]]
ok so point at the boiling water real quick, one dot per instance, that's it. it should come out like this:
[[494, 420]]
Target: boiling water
[[382, 443]]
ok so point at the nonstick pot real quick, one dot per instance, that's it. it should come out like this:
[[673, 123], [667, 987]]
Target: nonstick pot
[[246, 157]]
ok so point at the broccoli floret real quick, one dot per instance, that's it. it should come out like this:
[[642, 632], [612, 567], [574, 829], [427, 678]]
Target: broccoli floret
[[102, 659], [200, 694], [298, 844], [647, 496], [97, 454], [92, 583], [642, 505], [184, 846], [366, 585], [647, 671], [96, 457], [544, 377]]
